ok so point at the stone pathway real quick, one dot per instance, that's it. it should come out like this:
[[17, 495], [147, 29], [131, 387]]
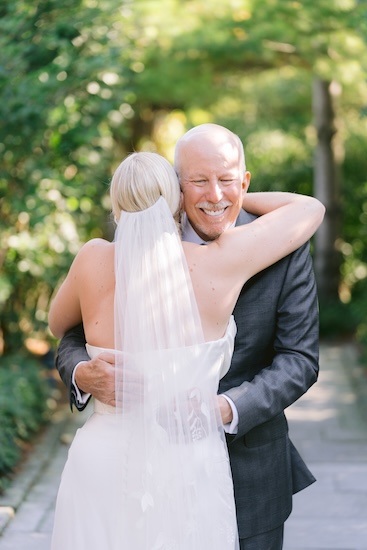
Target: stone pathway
[[328, 426]]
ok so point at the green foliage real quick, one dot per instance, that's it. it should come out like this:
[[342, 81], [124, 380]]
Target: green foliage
[[23, 408], [359, 308], [84, 82], [55, 146], [337, 320]]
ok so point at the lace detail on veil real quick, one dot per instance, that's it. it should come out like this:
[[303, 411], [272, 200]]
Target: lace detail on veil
[[175, 472]]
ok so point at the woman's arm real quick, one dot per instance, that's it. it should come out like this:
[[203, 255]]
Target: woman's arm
[[83, 293], [286, 221], [261, 203], [65, 309]]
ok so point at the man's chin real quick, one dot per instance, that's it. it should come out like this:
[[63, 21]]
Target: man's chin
[[210, 238], [211, 234]]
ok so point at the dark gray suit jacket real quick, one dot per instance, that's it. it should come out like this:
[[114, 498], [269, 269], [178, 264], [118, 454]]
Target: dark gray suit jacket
[[275, 362]]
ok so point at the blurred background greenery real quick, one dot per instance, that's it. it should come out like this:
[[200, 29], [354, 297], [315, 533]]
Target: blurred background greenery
[[84, 82]]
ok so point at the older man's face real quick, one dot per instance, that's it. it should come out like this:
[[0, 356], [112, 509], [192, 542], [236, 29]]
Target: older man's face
[[213, 186]]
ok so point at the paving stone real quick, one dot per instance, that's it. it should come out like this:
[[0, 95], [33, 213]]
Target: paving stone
[[328, 426], [326, 534]]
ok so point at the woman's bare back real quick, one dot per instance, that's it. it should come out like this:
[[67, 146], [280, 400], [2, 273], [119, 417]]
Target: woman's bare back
[[215, 296]]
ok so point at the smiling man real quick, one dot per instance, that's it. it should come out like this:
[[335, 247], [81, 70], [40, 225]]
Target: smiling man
[[212, 190], [276, 348]]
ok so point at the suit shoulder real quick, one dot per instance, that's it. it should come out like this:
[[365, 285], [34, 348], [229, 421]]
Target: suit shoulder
[[245, 217]]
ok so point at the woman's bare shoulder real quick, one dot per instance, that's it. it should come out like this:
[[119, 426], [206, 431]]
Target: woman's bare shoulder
[[96, 246], [95, 252]]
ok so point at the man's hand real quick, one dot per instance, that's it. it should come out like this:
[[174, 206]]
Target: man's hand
[[97, 377], [225, 410]]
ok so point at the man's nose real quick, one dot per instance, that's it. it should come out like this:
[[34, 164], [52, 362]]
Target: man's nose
[[214, 192]]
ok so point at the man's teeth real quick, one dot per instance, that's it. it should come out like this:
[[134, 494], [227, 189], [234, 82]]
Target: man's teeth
[[214, 212]]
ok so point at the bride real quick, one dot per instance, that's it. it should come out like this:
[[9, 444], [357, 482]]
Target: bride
[[153, 472]]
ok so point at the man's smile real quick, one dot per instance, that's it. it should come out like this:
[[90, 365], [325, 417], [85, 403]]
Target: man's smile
[[214, 213], [214, 210]]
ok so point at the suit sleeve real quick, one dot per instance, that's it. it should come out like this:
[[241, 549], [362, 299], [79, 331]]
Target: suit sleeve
[[70, 352], [294, 368]]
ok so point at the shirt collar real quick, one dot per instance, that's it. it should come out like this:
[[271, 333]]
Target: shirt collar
[[188, 232]]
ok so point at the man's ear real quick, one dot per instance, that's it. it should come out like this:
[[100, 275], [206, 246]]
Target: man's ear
[[246, 181], [181, 201]]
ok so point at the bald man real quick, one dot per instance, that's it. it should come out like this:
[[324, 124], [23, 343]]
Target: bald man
[[276, 347]]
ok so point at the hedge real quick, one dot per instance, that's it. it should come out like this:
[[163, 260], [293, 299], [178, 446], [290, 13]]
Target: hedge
[[23, 408]]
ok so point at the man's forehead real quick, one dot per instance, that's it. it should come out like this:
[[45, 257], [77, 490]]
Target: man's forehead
[[223, 151], [204, 159], [208, 171]]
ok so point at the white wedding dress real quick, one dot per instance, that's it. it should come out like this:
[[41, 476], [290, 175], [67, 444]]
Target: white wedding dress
[[153, 473], [115, 484]]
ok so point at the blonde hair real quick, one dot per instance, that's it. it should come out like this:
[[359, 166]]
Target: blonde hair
[[140, 180]]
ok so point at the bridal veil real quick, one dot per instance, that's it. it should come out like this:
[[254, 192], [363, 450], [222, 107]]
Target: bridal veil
[[174, 474]]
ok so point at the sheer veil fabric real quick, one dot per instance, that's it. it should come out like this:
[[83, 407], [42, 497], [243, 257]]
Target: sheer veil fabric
[[155, 307], [175, 477]]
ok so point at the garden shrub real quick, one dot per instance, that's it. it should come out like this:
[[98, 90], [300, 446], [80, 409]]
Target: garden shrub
[[23, 408]]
